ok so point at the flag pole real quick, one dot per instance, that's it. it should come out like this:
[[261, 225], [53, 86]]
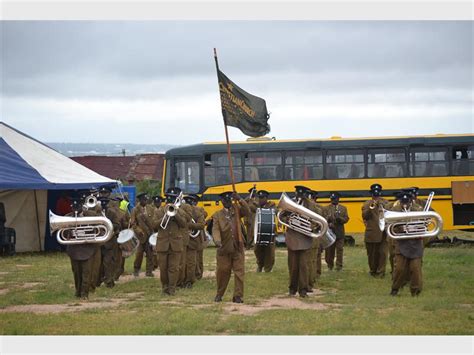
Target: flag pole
[[229, 155]]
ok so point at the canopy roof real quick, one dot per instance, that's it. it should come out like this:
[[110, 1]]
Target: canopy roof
[[26, 163]]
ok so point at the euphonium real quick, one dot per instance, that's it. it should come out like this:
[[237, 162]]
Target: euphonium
[[170, 210], [301, 219], [90, 202], [81, 230], [413, 224]]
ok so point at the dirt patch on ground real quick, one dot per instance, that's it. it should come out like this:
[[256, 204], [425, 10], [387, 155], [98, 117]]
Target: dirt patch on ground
[[4, 291], [208, 274], [23, 265], [278, 302], [71, 307], [130, 277], [4, 273], [29, 284]]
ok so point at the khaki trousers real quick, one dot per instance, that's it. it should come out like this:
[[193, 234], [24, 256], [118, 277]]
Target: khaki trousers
[[81, 270], [335, 250], [199, 264], [313, 266], [169, 270], [225, 265], [95, 269], [407, 268], [377, 257], [191, 266], [298, 269], [265, 255], [144, 248], [182, 267]]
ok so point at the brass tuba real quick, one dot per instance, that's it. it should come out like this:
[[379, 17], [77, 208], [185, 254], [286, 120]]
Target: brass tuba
[[301, 219], [413, 224], [80, 230]]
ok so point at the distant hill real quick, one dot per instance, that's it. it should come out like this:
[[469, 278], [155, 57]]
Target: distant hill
[[81, 149]]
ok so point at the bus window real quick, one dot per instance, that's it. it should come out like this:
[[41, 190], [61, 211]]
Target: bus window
[[429, 161], [261, 166], [303, 165], [348, 164], [463, 160], [386, 163], [216, 169], [187, 176]]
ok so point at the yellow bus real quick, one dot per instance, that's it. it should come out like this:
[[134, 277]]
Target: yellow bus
[[440, 163]]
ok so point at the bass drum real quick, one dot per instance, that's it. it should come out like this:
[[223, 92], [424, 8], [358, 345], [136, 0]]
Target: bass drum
[[128, 242], [327, 239], [264, 227]]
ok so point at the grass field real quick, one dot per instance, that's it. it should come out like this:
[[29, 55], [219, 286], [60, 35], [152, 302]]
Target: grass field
[[37, 297]]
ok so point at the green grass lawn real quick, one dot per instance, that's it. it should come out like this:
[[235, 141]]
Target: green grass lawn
[[347, 302]]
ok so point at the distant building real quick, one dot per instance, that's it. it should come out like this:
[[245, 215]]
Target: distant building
[[129, 169]]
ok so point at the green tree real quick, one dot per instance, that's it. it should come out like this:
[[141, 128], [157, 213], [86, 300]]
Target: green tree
[[151, 187]]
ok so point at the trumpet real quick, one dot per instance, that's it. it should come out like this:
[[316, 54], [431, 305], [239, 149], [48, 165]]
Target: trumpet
[[300, 218], [170, 210], [80, 230]]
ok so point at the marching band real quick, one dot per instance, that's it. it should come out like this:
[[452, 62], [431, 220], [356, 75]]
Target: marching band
[[99, 235]]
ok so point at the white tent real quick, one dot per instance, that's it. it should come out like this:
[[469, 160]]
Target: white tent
[[28, 169]]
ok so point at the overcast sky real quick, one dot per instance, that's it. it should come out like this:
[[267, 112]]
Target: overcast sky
[[155, 82]]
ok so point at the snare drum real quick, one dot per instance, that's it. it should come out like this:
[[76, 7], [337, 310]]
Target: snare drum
[[152, 241], [265, 227], [128, 242]]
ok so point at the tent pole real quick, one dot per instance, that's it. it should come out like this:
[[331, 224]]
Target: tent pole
[[37, 222]]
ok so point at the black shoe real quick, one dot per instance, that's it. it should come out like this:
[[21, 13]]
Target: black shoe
[[292, 293], [188, 285], [309, 290], [110, 285], [394, 292], [415, 293], [259, 269], [237, 299], [218, 298], [150, 274], [136, 273], [303, 294]]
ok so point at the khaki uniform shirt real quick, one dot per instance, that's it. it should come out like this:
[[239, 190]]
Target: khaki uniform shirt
[[295, 240], [409, 248], [141, 220], [224, 228], [172, 237], [337, 215], [373, 234]]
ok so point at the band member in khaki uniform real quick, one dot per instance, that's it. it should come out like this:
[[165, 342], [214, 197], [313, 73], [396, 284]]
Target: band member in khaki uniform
[[186, 238], [157, 201], [97, 257], [202, 244], [196, 226], [109, 250], [299, 250], [336, 216], [314, 266], [249, 221], [141, 221], [169, 243], [82, 257], [408, 253], [124, 222], [265, 254], [230, 254], [375, 239]]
